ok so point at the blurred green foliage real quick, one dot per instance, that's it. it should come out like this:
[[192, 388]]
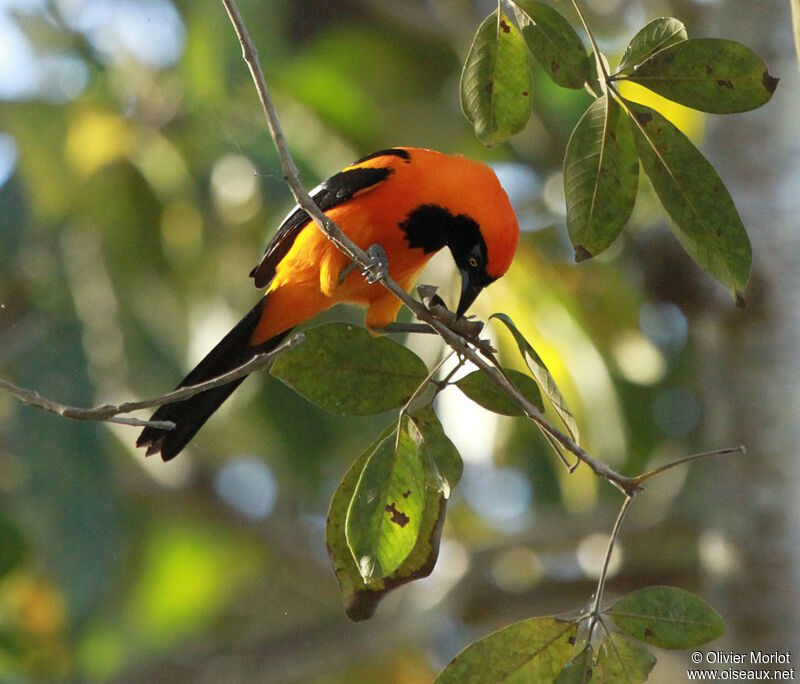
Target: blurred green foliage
[[142, 193]]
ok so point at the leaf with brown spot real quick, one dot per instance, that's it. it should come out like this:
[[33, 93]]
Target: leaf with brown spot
[[667, 617], [553, 42], [495, 74], [695, 199], [739, 80], [396, 515], [378, 546], [601, 177], [442, 466], [533, 650]]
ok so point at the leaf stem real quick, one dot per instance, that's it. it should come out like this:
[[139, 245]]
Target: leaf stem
[[595, 49]]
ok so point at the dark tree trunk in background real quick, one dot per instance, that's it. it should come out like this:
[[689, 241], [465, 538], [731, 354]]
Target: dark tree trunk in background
[[749, 361]]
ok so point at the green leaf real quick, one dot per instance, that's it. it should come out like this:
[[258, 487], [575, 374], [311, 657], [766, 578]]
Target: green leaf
[[703, 216], [543, 377], [438, 449], [601, 177], [478, 387], [553, 42], [578, 670], [443, 467], [384, 517], [667, 617], [496, 82], [596, 84], [709, 74], [621, 660], [534, 650], [654, 36], [345, 370]]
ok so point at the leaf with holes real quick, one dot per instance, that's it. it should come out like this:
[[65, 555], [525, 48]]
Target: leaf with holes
[[703, 216], [542, 377], [654, 36], [534, 650], [496, 83], [478, 387], [667, 617], [553, 42], [710, 74], [601, 177], [345, 370]]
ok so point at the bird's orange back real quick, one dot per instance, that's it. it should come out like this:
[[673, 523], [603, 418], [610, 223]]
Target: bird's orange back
[[374, 215]]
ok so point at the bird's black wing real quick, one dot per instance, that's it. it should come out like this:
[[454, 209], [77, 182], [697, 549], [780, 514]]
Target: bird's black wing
[[334, 191]]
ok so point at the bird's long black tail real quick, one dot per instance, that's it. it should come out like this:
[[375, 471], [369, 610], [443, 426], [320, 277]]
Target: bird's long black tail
[[190, 414]]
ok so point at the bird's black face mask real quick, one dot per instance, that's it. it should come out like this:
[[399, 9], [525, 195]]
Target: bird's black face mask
[[472, 266], [430, 227]]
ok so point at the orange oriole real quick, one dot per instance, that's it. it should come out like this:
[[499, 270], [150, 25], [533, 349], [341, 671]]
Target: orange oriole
[[410, 201]]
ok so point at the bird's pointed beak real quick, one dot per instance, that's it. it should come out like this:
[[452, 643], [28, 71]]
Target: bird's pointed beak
[[470, 289]]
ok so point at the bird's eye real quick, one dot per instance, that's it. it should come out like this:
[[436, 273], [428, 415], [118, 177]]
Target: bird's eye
[[473, 262]]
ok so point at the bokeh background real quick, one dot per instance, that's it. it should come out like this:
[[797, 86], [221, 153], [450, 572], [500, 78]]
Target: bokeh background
[[138, 187]]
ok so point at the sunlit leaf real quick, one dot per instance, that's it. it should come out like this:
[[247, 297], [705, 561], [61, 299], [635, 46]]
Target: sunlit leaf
[[553, 42], [578, 670], [542, 377], [619, 659], [496, 82], [534, 650], [703, 216], [345, 370], [478, 387], [438, 448], [667, 617], [601, 177], [385, 513], [710, 74], [596, 83], [442, 471], [654, 36]]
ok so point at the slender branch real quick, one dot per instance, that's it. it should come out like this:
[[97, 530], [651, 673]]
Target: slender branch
[[110, 412], [688, 459], [601, 584], [416, 393], [455, 341]]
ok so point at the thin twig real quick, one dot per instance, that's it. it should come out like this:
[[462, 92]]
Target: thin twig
[[601, 584], [111, 412], [740, 450], [420, 389]]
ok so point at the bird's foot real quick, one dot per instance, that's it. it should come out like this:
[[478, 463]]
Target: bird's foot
[[378, 268], [465, 326]]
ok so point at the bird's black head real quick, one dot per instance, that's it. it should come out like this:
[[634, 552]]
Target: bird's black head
[[430, 227]]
